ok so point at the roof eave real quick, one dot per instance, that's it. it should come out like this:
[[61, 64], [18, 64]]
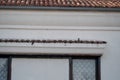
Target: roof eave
[[62, 8]]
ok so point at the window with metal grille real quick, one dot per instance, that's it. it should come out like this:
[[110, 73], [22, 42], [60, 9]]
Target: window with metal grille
[[50, 68], [83, 69], [3, 68]]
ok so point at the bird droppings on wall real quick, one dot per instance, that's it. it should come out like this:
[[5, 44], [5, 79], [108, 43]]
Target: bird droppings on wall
[[51, 41]]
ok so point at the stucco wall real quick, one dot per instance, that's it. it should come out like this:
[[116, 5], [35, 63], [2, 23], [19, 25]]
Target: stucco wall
[[110, 66], [59, 18]]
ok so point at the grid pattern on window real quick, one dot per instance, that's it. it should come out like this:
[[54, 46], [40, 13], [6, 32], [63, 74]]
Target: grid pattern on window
[[3, 69], [83, 69]]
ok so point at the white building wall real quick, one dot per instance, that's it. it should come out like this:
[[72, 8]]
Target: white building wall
[[104, 26], [59, 18]]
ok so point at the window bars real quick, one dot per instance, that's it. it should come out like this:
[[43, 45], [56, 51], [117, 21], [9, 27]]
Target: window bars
[[3, 68]]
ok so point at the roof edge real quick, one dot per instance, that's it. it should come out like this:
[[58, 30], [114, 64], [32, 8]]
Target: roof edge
[[61, 8]]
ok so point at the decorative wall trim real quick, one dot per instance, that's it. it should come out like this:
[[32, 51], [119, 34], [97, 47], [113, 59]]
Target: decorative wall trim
[[83, 28], [84, 47]]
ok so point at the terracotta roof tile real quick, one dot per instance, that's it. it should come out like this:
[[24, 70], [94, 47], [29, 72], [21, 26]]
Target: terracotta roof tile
[[63, 3]]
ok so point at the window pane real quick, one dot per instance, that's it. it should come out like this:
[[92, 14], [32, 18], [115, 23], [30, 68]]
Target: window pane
[[40, 69], [3, 69], [83, 69]]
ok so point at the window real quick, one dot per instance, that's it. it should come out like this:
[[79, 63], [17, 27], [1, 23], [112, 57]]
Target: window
[[40, 69], [83, 69], [3, 69], [50, 67]]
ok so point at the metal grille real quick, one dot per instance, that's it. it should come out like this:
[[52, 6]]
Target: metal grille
[[3, 69], [83, 69]]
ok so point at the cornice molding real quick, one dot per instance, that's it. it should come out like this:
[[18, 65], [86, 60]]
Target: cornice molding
[[52, 47], [83, 28]]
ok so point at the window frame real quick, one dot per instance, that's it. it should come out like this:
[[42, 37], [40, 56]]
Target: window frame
[[50, 56]]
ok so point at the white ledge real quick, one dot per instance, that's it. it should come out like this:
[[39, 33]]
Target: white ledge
[[52, 48]]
